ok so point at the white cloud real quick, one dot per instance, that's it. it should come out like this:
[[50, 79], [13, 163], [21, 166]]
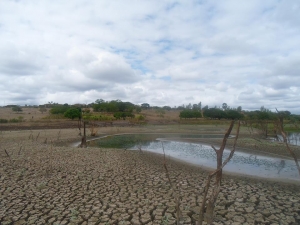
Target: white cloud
[[160, 52]]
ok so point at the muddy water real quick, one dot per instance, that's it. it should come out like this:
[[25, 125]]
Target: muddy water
[[292, 138], [179, 147], [242, 163]]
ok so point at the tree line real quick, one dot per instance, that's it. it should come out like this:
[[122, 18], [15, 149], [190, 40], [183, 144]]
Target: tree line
[[119, 109], [235, 113]]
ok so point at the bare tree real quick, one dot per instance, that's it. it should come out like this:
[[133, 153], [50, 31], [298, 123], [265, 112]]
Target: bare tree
[[83, 139], [209, 205], [285, 140]]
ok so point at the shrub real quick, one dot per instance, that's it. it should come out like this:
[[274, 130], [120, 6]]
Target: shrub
[[3, 121], [215, 113], [140, 117], [73, 113], [14, 120], [187, 113], [123, 115]]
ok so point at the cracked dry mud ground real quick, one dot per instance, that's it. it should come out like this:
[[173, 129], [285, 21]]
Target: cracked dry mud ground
[[42, 183]]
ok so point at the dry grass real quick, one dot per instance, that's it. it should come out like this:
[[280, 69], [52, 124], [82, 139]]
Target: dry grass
[[153, 115], [29, 114]]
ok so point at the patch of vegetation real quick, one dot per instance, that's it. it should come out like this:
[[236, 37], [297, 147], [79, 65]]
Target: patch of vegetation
[[3, 121], [140, 118], [73, 113], [187, 113], [113, 106], [216, 113], [123, 115], [13, 120], [123, 141], [59, 109]]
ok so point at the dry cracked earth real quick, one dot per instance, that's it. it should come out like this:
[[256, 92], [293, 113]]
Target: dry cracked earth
[[43, 183]]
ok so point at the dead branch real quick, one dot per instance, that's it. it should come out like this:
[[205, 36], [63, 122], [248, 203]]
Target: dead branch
[[176, 196], [20, 150], [93, 129], [8, 156], [285, 140], [83, 139], [58, 135], [218, 173], [37, 136]]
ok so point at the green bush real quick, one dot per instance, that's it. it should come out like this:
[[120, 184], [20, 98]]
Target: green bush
[[140, 118], [14, 120], [3, 121], [187, 113], [73, 113], [123, 115]]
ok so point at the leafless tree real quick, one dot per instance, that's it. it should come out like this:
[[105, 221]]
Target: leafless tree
[[208, 204]]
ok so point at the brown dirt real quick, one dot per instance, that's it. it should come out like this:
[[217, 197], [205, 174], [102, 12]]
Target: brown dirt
[[45, 181]]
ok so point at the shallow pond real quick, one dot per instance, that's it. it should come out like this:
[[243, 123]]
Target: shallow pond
[[204, 155], [292, 138]]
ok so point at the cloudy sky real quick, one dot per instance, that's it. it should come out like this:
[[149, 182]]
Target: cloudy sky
[[162, 52]]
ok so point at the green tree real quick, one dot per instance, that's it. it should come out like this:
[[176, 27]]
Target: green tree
[[99, 101], [233, 114], [215, 113], [138, 109], [166, 107], [239, 109], [224, 106], [261, 115], [73, 113], [123, 115], [195, 107], [205, 108], [187, 113]]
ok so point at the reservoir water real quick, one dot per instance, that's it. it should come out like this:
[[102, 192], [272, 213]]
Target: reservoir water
[[204, 155]]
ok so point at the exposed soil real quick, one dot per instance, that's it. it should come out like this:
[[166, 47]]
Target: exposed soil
[[45, 181]]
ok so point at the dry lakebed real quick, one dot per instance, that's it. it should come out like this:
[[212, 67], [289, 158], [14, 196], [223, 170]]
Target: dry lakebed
[[46, 180]]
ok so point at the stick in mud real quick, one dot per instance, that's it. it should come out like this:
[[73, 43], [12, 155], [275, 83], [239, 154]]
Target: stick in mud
[[37, 136], [83, 139], [8, 156], [176, 196], [20, 150]]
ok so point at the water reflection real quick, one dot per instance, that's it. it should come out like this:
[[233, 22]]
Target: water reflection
[[204, 155], [292, 138], [281, 165], [243, 163]]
